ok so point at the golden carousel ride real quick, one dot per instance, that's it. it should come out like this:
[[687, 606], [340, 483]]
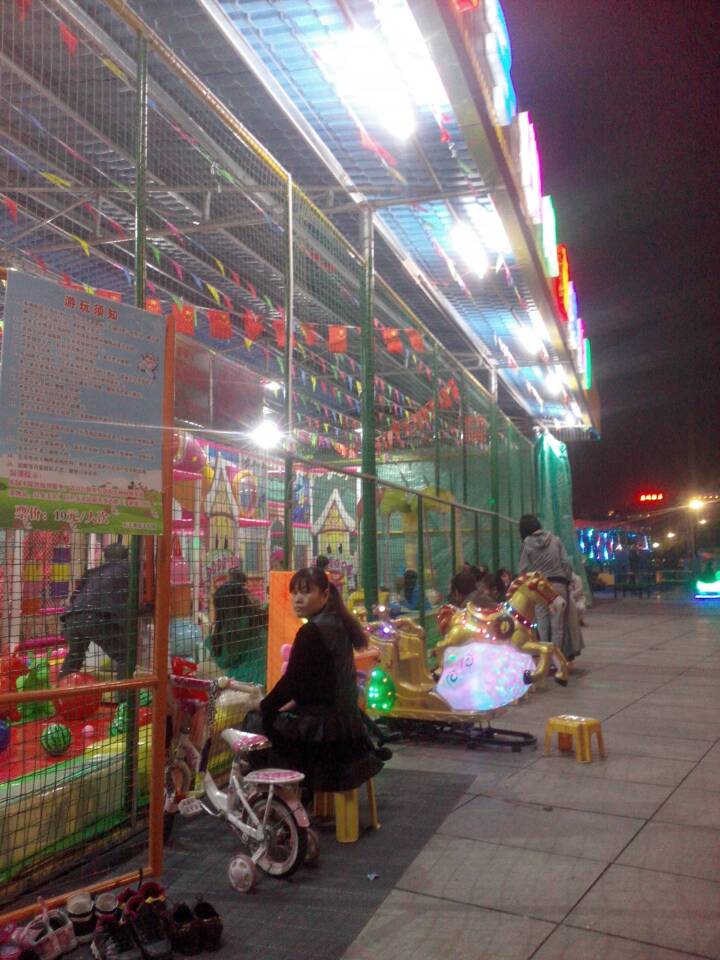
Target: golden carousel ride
[[487, 660]]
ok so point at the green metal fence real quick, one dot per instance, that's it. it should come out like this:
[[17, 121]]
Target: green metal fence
[[120, 172]]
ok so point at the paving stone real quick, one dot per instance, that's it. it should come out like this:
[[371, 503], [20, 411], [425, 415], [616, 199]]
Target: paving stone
[[574, 833], [581, 792], [525, 882], [657, 770], [691, 806], [636, 744], [675, 848], [569, 943], [682, 913], [412, 927]]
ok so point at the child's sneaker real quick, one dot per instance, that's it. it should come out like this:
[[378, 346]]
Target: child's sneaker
[[113, 940], [150, 924]]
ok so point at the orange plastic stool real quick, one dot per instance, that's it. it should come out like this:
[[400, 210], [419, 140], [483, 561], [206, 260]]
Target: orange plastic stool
[[579, 730], [346, 809]]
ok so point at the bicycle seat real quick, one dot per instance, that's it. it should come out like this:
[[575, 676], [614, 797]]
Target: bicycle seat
[[241, 742], [274, 776]]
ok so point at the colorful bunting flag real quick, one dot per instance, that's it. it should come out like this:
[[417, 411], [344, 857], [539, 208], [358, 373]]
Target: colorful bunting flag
[[213, 292], [309, 334], [184, 319], [11, 208], [279, 331], [23, 8], [69, 39]]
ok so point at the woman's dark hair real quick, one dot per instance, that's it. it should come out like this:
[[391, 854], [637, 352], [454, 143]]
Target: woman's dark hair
[[479, 572], [463, 583], [499, 584], [529, 524], [304, 580]]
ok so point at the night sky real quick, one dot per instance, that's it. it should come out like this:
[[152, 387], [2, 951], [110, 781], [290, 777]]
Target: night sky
[[625, 98]]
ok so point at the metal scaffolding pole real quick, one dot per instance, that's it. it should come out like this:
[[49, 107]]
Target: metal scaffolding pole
[[135, 571], [289, 352], [421, 558], [494, 478], [436, 420], [369, 469]]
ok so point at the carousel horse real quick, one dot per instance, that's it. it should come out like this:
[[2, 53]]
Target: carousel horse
[[511, 622]]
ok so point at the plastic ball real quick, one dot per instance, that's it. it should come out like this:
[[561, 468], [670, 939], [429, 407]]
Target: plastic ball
[[381, 692], [144, 716], [88, 731], [55, 739], [145, 698], [82, 706], [119, 721], [4, 736]]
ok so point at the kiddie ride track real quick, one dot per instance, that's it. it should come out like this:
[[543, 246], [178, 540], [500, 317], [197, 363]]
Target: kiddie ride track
[[488, 658]]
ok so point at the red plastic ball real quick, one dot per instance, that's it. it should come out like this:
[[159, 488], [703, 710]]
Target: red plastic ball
[[144, 716], [82, 706], [12, 666]]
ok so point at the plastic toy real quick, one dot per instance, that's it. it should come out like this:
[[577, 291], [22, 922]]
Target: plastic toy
[[55, 739], [486, 663], [4, 735], [12, 667], [261, 805], [36, 678], [82, 706]]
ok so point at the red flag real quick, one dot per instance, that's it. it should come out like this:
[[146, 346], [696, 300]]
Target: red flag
[[69, 39], [251, 288], [219, 323], [41, 263], [153, 305], [184, 319], [337, 339], [415, 339], [235, 278], [227, 301], [393, 343], [311, 337], [252, 324], [279, 330]]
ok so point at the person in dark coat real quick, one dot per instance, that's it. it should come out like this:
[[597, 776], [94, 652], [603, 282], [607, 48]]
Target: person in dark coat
[[312, 715], [97, 613], [238, 620]]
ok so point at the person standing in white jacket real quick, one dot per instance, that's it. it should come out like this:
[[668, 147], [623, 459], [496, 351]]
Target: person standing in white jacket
[[544, 552]]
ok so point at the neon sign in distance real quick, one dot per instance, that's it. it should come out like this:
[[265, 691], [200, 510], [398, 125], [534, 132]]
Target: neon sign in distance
[[530, 174], [549, 237], [651, 497], [562, 283], [499, 58]]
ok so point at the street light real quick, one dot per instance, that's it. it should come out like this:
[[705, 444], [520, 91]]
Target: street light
[[696, 504], [670, 535], [702, 522], [655, 545]]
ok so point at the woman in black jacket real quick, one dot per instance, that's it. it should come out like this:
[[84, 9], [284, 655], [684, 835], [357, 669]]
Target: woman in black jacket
[[312, 715]]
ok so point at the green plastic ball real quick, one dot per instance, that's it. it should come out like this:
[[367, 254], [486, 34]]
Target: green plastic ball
[[120, 720], [55, 739], [381, 692]]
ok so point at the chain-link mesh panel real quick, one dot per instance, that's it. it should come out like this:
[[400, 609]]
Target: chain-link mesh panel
[[222, 257]]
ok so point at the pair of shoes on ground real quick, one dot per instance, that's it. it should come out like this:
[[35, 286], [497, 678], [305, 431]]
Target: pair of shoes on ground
[[197, 929], [47, 936], [146, 927]]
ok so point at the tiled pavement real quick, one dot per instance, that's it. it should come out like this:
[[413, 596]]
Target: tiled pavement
[[549, 859], [498, 856]]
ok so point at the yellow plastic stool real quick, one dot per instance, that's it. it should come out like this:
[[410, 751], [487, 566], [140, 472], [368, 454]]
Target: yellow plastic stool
[[579, 729], [346, 808]]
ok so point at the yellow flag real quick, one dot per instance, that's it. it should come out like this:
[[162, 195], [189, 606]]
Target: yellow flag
[[213, 292]]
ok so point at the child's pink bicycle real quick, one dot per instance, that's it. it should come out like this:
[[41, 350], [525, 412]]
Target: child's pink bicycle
[[261, 806]]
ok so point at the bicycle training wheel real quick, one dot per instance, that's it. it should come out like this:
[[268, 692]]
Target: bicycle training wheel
[[285, 845]]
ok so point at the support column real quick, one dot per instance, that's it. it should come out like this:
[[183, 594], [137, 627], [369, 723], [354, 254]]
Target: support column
[[289, 354], [436, 421], [421, 557], [494, 477], [135, 571], [367, 364]]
